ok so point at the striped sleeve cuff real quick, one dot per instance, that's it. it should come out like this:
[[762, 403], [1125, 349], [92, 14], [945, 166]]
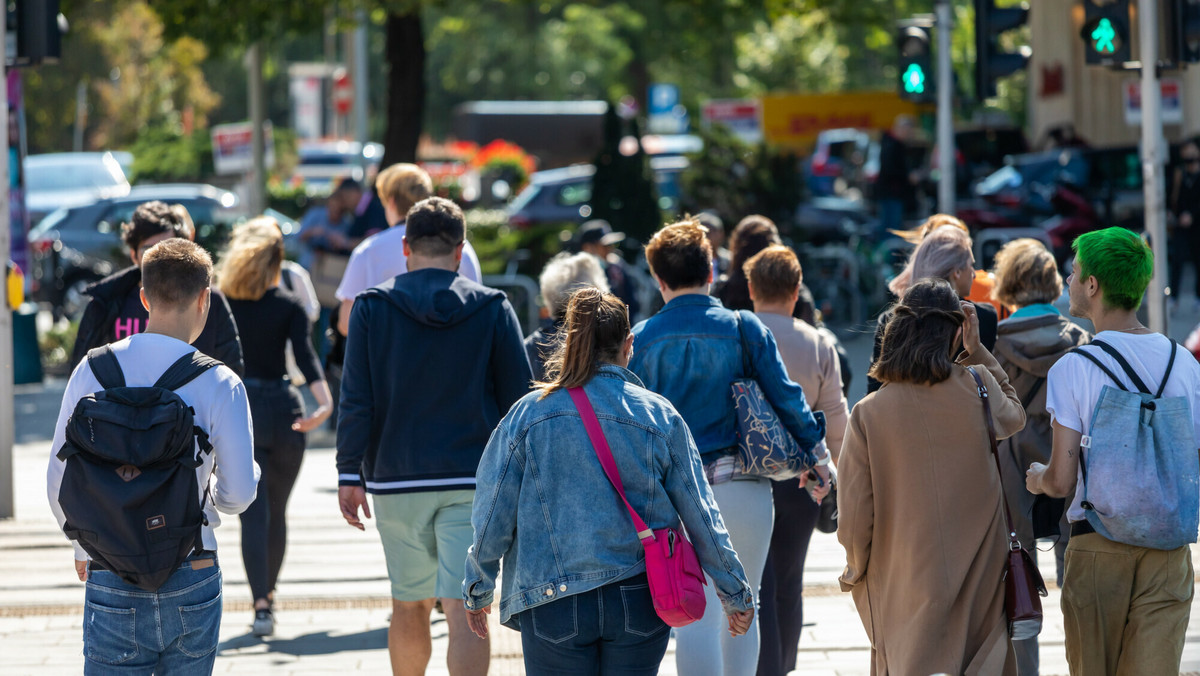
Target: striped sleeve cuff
[[349, 479]]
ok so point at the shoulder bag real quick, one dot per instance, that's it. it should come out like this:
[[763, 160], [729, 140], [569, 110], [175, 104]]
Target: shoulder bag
[[765, 447], [1023, 584], [672, 568]]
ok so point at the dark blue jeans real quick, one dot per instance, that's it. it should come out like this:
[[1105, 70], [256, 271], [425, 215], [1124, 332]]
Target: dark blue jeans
[[174, 631], [608, 631]]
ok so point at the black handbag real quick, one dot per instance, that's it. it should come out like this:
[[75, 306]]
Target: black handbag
[[827, 519]]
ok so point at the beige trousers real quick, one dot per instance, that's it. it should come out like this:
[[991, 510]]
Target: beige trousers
[[1125, 608]]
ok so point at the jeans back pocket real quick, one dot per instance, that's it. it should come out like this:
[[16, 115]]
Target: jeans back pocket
[[556, 621], [640, 617], [109, 634], [201, 627]]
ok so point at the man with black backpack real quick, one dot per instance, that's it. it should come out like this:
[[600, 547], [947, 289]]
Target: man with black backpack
[[145, 425], [1124, 412]]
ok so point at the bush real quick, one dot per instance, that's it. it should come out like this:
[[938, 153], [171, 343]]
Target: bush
[[56, 345], [495, 242], [161, 154]]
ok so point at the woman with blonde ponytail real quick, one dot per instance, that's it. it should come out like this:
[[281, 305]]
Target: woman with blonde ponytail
[[574, 580]]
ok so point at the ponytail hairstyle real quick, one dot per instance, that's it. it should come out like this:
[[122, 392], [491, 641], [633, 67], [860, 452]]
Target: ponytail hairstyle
[[595, 328], [920, 337]]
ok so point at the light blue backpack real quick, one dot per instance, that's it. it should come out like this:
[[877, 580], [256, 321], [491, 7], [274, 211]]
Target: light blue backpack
[[1141, 470]]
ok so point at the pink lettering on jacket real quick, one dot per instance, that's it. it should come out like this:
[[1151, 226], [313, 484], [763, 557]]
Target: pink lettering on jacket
[[127, 327]]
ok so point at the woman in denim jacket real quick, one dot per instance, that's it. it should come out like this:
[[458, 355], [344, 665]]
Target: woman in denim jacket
[[690, 352], [574, 578]]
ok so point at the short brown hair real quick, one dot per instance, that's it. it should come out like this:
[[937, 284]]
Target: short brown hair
[[149, 220], [174, 272], [774, 273], [1026, 273], [680, 255], [919, 337], [404, 184], [434, 227]]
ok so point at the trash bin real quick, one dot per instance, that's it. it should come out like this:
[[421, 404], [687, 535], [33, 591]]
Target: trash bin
[[27, 359]]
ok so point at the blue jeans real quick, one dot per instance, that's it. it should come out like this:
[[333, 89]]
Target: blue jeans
[[610, 631], [127, 630]]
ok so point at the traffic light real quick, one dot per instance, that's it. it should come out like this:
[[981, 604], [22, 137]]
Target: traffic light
[[1105, 31], [916, 62], [1187, 31], [991, 63], [34, 28]]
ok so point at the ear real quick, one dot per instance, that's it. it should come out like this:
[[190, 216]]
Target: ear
[[407, 248], [133, 256], [458, 251], [662, 286], [749, 286], [1092, 287], [796, 293], [205, 299], [142, 295], [710, 275]]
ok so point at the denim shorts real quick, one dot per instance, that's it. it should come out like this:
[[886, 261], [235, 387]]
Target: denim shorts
[[173, 630], [425, 541]]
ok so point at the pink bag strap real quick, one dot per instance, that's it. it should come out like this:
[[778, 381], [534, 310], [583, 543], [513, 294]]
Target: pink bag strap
[[604, 454]]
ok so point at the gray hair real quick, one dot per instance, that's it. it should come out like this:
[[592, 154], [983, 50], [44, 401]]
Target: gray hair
[[566, 273], [943, 251]]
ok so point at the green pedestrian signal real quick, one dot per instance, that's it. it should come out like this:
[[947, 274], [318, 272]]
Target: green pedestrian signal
[[1103, 36], [914, 79]]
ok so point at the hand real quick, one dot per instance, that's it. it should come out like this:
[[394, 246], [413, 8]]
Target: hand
[[1033, 478], [739, 623], [313, 421], [350, 499], [477, 620], [970, 334], [81, 569], [820, 489]]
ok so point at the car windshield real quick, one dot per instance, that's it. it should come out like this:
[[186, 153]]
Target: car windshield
[[71, 176]]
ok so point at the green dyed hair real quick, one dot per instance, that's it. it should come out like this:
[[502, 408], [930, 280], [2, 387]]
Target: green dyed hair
[[1120, 261]]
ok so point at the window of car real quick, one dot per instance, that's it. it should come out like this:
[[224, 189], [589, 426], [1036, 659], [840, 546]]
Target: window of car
[[574, 194], [71, 176]]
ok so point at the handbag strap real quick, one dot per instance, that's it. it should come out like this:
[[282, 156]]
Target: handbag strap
[[1013, 543], [747, 364], [604, 454]]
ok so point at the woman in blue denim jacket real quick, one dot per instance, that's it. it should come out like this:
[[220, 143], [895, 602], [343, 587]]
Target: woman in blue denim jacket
[[574, 577], [690, 352]]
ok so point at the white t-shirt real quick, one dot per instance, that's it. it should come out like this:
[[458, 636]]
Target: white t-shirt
[[380, 257], [219, 399], [1074, 383]]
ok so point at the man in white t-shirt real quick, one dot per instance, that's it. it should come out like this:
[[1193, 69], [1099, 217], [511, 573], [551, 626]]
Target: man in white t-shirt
[[174, 629], [1125, 608], [380, 257]]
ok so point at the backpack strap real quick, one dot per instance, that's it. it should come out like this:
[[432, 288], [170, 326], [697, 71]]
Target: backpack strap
[[1167, 374], [1083, 353], [1133, 377], [186, 369], [103, 362]]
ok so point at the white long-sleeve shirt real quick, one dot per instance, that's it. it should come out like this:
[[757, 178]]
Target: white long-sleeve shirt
[[222, 410]]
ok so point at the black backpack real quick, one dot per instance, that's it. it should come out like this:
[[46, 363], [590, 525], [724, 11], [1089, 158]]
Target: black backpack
[[129, 487]]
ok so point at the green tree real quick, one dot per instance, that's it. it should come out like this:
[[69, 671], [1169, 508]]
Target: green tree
[[622, 190]]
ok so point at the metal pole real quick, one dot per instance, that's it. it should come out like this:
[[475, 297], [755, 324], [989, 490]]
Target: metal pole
[[256, 200], [945, 108], [1153, 161], [361, 133], [80, 114], [7, 394]]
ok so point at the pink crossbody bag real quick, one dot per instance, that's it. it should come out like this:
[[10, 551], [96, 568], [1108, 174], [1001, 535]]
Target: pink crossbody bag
[[672, 568]]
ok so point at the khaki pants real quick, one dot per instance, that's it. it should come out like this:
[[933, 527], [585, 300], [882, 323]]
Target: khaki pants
[[1125, 608]]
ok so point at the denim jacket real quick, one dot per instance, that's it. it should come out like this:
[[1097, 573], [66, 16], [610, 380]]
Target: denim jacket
[[691, 351], [544, 504]]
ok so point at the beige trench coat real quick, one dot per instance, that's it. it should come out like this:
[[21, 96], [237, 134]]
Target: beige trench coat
[[920, 516]]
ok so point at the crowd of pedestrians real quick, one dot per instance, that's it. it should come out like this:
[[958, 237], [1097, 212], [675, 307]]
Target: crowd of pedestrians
[[548, 465]]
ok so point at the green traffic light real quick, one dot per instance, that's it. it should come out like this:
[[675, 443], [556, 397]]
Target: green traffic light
[[914, 79], [1103, 36]]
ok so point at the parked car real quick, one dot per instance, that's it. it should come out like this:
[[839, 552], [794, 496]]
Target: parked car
[[74, 247], [322, 163], [66, 180]]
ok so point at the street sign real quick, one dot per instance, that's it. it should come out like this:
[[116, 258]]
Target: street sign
[[743, 117], [343, 92], [665, 114], [233, 148], [1172, 101]]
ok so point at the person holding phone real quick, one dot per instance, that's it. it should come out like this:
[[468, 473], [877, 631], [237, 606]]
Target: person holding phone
[[919, 497]]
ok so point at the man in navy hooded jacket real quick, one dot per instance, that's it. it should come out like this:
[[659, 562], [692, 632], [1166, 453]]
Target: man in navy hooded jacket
[[433, 362]]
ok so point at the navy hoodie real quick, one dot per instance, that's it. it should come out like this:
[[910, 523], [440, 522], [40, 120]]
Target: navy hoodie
[[433, 362]]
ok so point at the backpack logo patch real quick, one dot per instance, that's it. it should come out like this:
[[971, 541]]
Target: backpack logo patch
[[128, 472], [156, 522]]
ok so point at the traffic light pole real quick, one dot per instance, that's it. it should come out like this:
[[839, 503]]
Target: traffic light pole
[[945, 108], [7, 393], [1153, 161]]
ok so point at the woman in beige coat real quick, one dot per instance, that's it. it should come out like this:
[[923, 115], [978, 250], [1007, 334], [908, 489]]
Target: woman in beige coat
[[920, 499]]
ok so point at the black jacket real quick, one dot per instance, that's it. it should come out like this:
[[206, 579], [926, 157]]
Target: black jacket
[[988, 323], [433, 362], [219, 339]]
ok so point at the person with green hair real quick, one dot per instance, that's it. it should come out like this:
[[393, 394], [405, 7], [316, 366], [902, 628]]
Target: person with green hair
[[1125, 607]]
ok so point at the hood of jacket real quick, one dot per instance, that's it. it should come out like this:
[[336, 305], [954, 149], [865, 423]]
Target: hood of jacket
[[437, 297], [1034, 344], [117, 285]]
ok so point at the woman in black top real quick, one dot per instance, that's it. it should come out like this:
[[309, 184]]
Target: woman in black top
[[269, 317]]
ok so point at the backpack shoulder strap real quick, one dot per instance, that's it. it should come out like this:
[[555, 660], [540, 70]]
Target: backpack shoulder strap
[[1083, 353], [103, 362], [1167, 374], [186, 369], [1133, 377]]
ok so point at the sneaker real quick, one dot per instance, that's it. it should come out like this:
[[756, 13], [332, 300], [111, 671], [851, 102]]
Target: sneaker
[[264, 623]]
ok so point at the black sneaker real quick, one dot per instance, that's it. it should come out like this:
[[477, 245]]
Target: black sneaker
[[264, 623]]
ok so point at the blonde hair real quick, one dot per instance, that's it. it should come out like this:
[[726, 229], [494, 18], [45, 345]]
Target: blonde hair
[[404, 184], [1026, 273], [252, 261], [595, 329], [566, 273]]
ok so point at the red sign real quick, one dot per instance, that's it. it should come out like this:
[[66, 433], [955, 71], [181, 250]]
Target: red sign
[[343, 92]]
